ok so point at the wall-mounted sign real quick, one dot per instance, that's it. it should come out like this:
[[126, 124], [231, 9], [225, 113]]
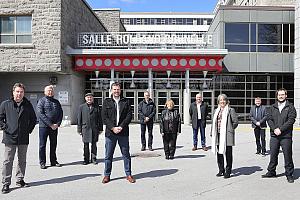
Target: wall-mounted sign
[[63, 97], [136, 40]]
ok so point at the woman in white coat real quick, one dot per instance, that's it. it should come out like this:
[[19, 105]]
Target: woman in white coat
[[225, 120]]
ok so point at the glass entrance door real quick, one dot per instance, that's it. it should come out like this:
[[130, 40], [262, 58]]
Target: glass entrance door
[[208, 97], [161, 96], [134, 97]]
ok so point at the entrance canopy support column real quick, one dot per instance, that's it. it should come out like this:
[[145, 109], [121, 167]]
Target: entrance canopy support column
[[186, 98], [150, 83], [112, 78]]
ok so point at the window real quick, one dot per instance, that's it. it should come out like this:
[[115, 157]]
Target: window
[[237, 33], [15, 29]]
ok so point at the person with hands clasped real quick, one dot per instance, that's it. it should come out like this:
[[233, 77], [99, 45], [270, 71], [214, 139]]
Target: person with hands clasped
[[170, 127], [89, 126]]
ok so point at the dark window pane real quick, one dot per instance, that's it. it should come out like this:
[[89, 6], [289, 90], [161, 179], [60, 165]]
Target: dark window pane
[[253, 48], [262, 94], [253, 34], [269, 48], [292, 48], [269, 34], [237, 48], [236, 33], [258, 78], [285, 48], [231, 94], [259, 86], [292, 33], [286, 33]]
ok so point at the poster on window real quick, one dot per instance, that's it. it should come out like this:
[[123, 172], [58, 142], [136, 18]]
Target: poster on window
[[63, 97]]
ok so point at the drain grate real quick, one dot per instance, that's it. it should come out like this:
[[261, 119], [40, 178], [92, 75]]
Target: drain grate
[[145, 155]]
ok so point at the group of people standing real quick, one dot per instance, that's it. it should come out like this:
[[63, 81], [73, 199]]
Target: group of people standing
[[18, 119]]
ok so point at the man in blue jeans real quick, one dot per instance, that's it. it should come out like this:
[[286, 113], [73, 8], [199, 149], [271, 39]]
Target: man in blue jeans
[[116, 115], [198, 113], [50, 115]]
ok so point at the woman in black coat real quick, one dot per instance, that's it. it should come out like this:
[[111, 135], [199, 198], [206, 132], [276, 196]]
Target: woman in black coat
[[170, 127]]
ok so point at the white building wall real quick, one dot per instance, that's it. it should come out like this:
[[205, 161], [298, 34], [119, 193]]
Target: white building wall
[[297, 61]]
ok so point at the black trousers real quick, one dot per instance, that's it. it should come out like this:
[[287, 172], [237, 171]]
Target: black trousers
[[150, 135], [44, 132], [86, 151], [260, 137], [169, 140], [286, 145], [220, 160]]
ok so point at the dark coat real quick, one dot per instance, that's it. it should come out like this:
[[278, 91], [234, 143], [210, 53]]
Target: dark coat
[[49, 111], [89, 123], [170, 122], [284, 120], [146, 110], [261, 116], [16, 122], [109, 116], [194, 114]]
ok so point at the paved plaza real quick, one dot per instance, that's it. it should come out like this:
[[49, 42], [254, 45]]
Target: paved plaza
[[191, 175]]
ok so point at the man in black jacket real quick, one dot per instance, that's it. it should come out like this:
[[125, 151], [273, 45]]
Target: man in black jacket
[[89, 126], [50, 115], [116, 115], [147, 112], [281, 118], [198, 112], [17, 120]]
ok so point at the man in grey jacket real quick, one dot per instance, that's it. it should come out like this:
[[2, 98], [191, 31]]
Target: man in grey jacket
[[89, 126], [258, 118]]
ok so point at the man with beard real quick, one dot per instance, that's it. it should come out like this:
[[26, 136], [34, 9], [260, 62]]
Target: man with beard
[[282, 115]]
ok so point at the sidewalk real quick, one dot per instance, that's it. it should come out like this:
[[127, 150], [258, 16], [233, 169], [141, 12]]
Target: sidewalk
[[191, 175]]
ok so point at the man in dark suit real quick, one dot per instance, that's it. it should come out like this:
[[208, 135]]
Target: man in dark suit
[[116, 115], [258, 118], [89, 126], [198, 113], [281, 118]]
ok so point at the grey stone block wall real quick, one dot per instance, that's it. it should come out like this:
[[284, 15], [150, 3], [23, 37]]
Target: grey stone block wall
[[297, 62], [44, 53], [111, 19]]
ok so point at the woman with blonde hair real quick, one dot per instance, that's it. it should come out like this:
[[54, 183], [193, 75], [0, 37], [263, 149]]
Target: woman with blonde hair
[[170, 127], [225, 120]]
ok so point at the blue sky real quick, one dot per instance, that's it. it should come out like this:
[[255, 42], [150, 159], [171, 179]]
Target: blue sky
[[156, 5]]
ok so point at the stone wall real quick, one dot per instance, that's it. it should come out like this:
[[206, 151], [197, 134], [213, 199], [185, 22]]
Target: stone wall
[[297, 62], [43, 55], [110, 18]]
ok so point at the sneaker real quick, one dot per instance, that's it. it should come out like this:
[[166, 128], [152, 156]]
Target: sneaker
[[220, 174], [43, 166], [95, 162], [5, 189], [194, 148], [56, 164], [85, 162], [22, 183], [226, 175]]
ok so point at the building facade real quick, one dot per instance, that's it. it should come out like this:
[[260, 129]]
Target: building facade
[[243, 51]]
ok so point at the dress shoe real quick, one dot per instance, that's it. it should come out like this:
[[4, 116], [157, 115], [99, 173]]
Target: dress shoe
[[106, 179], [263, 153], [226, 175], [204, 148], [43, 166], [55, 164], [167, 157], [130, 179], [143, 148], [150, 148], [290, 179], [269, 175], [171, 157], [5, 189], [194, 148], [22, 183], [258, 152], [220, 174]]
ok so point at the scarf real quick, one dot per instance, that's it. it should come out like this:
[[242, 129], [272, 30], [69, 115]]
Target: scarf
[[222, 138]]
